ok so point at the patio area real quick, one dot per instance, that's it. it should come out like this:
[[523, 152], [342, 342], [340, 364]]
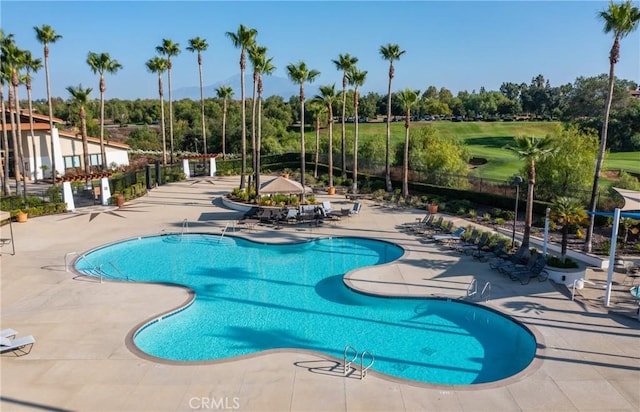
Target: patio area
[[588, 356]]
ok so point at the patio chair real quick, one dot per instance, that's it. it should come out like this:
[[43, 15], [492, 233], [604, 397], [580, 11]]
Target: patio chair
[[356, 208], [511, 269], [8, 333], [494, 251], [427, 219], [536, 270], [423, 227], [510, 260], [470, 249], [327, 211], [19, 346], [450, 236]]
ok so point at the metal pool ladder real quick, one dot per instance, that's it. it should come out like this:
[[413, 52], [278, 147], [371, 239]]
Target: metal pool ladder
[[347, 363]]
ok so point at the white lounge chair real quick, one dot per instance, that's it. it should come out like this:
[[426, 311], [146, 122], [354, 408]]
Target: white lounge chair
[[19, 346], [356, 208], [8, 333], [450, 236]]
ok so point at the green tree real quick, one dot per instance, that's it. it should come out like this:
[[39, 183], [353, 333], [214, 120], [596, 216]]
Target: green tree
[[80, 99], [32, 65], [256, 55], [356, 79], [531, 150], [102, 63], [344, 63], [300, 74], [5, 137], [390, 53], [567, 211], [409, 100], [159, 65], [328, 97], [170, 49], [198, 45], [143, 138], [46, 35], [570, 170], [442, 159], [621, 19], [243, 39], [225, 93]]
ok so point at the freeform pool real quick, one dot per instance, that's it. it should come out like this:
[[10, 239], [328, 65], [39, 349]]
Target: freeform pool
[[254, 297]]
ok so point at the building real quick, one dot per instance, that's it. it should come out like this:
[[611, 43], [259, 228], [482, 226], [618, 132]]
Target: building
[[68, 148]]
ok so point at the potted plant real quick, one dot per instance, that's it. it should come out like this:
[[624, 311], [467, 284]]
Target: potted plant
[[21, 216], [566, 211], [433, 206], [286, 173]]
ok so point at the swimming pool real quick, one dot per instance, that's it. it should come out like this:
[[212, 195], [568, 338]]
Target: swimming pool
[[253, 297]]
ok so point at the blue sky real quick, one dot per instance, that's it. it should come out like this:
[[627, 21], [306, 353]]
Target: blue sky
[[460, 45]]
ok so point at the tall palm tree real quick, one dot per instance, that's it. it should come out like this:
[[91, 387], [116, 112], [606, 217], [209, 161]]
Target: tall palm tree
[[344, 63], [14, 60], [4, 78], [243, 39], [356, 79], [256, 55], [159, 65], [100, 64], [300, 74], [265, 67], [567, 211], [225, 93], [328, 97], [46, 35], [621, 19], [80, 99], [390, 52], [32, 65], [318, 109], [199, 45], [408, 99], [169, 49], [530, 150]]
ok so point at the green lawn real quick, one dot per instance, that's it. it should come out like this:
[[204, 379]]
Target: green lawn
[[484, 140]]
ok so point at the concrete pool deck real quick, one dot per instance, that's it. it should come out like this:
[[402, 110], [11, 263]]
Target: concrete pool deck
[[588, 358]]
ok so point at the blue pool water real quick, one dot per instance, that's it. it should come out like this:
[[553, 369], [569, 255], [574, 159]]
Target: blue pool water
[[253, 297]]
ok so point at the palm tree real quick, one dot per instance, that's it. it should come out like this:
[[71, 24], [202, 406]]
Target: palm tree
[[224, 93], [199, 45], [356, 78], [256, 55], [567, 211], [80, 98], [328, 97], [46, 35], [300, 74], [5, 137], [318, 109], [408, 99], [169, 49], [344, 63], [32, 65], [531, 150], [390, 52], [14, 60], [243, 39], [159, 65], [621, 19], [102, 63], [265, 66]]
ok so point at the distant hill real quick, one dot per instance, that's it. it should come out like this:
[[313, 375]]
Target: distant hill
[[273, 85]]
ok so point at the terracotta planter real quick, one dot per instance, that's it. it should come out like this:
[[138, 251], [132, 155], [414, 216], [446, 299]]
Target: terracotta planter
[[285, 175], [433, 209], [21, 217], [120, 200], [331, 190]]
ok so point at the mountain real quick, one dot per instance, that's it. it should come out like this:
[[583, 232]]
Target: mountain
[[272, 85]]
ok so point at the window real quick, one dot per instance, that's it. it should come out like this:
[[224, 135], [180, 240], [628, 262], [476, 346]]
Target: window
[[95, 160], [71, 162]]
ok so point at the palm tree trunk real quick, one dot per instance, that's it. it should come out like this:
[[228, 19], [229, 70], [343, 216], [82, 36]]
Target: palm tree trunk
[[103, 153], [204, 132], [405, 162], [19, 130], [344, 128], [603, 146], [315, 170], [387, 172], [6, 190], [302, 149], [355, 142], [330, 147], [259, 144], [85, 141], [224, 129], [170, 113], [14, 142], [54, 170], [162, 121], [253, 127], [243, 170], [528, 219], [33, 134]]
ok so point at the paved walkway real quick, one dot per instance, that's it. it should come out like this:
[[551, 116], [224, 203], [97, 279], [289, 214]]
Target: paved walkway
[[588, 358]]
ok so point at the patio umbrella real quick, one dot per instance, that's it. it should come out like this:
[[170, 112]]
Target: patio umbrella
[[282, 185]]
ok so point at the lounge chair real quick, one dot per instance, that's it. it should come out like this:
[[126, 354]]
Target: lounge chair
[[329, 212], [511, 269], [450, 236], [470, 249], [19, 346], [426, 220], [419, 229], [356, 208], [536, 270], [511, 260], [8, 333], [494, 251]]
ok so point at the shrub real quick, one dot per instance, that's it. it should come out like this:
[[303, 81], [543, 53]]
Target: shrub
[[499, 221], [472, 213], [556, 262], [486, 217]]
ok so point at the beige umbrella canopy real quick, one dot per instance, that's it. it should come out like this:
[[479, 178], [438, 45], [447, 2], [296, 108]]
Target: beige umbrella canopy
[[282, 185], [631, 199]]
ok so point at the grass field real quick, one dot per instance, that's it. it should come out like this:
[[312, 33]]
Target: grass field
[[485, 140]]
